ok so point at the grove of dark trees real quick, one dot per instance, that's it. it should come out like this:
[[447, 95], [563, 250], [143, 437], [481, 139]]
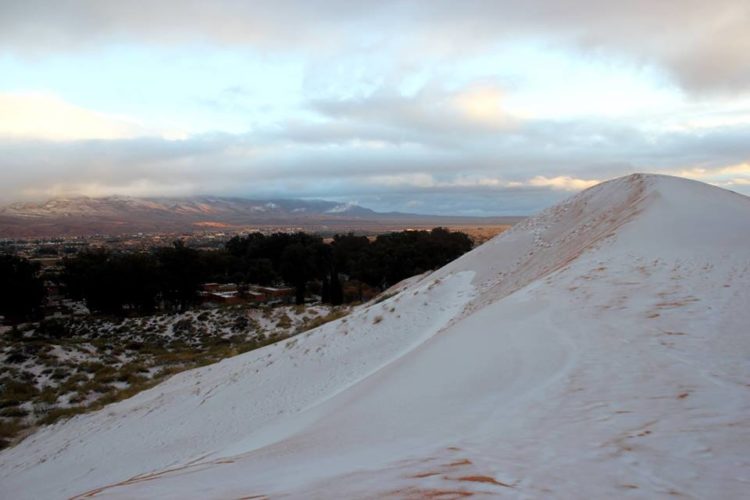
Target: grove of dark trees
[[301, 258], [169, 278], [21, 289]]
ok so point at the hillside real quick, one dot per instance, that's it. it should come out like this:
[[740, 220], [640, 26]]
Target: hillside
[[597, 350], [114, 215]]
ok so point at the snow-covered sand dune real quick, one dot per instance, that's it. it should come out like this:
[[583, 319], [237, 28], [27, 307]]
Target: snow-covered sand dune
[[600, 349]]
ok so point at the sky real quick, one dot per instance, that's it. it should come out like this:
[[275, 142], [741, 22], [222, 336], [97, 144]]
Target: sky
[[468, 107]]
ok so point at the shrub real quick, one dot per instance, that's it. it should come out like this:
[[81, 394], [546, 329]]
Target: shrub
[[8, 430], [53, 329], [284, 321], [13, 412]]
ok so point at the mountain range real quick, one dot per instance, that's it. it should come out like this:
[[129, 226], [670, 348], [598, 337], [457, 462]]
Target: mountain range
[[120, 215]]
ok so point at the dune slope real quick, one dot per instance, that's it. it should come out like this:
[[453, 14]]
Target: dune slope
[[598, 349]]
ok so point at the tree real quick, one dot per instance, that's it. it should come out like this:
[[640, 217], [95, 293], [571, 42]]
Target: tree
[[22, 291], [89, 276], [259, 271], [325, 291], [297, 267], [337, 291], [180, 275], [221, 266], [113, 283], [136, 275], [348, 251]]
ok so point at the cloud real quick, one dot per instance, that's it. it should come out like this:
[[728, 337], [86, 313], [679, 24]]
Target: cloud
[[37, 26], [34, 168], [474, 109], [482, 105], [464, 182], [46, 116], [702, 173], [433, 147], [516, 172], [729, 176], [704, 45], [563, 182]]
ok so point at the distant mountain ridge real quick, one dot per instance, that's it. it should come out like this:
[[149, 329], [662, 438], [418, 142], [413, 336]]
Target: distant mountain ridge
[[123, 214], [188, 206]]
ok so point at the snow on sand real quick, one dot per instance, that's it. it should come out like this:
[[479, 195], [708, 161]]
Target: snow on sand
[[600, 349]]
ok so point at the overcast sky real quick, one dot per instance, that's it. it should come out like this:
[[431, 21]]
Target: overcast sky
[[455, 107]]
